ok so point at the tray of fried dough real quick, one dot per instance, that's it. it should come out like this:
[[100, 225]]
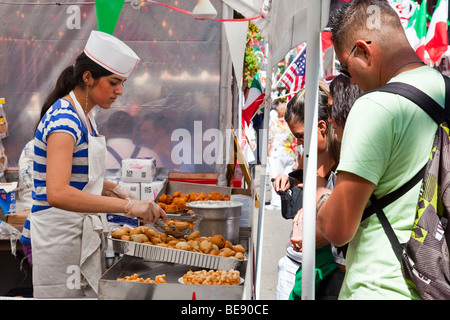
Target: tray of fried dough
[[147, 243]]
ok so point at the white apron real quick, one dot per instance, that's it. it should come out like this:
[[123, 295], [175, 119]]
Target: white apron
[[68, 246]]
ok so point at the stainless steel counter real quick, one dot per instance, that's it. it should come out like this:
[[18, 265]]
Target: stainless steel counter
[[111, 289]]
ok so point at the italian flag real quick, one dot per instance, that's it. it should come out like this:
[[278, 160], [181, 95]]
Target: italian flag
[[437, 36], [416, 30], [254, 100]]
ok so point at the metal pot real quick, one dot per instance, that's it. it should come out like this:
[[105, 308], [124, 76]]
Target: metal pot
[[219, 217]]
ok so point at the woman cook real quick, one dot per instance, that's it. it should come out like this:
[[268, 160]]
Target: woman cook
[[69, 186]]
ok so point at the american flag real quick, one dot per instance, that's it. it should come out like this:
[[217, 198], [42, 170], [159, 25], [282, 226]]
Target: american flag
[[294, 77]]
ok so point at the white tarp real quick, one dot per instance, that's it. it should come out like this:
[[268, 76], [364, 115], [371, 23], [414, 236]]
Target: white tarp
[[285, 25]]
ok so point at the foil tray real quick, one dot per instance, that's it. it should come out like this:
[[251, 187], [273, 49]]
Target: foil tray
[[156, 253]]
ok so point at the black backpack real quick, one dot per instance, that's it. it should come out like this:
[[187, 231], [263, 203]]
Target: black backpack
[[424, 258]]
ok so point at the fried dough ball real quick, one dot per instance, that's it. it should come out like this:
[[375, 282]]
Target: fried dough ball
[[151, 233], [182, 245], [218, 240], [228, 244], [140, 238], [172, 243], [162, 236], [162, 205], [206, 246], [192, 195], [239, 248], [193, 235], [169, 238], [180, 203], [176, 194], [215, 196], [155, 240], [239, 255], [171, 208], [194, 244], [118, 233], [175, 226], [125, 237], [163, 198], [126, 229], [138, 230], [226, 252], [214, 252]]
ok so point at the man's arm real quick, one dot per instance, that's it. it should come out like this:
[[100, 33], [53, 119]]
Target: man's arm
[[339, 217]]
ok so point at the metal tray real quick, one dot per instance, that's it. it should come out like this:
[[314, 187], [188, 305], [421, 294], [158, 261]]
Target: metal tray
[[111, 289], [156, 253]]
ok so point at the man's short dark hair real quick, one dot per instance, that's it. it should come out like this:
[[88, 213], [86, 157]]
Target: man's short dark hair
[[357, 20]]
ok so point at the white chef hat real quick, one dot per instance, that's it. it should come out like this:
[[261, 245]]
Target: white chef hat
[[111, 53]]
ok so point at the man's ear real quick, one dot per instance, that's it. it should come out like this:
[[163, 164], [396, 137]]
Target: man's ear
[[364, 50]]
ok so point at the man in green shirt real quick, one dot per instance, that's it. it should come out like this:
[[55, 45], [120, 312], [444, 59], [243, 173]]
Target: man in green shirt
[[387, 140]]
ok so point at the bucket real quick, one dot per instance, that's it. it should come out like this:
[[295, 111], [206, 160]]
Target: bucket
[[219, 217]]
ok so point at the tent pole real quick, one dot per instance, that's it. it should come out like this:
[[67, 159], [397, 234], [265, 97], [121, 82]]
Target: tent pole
[[310, 154], [262, 194]]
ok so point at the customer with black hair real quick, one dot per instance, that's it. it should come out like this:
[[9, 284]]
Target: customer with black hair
[[387, 140]]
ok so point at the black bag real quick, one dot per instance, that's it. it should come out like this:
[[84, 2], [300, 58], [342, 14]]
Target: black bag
[[424, 258], [292, 198], [291, 202]]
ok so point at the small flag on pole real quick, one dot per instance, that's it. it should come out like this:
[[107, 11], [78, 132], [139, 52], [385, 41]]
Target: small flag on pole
[[294, 76], [254, 100], [437, 36], [416, 30]]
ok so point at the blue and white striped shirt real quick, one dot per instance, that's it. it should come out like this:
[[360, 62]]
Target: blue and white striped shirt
[[61, 117]]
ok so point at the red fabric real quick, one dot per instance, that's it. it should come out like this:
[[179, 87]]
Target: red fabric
[[197, 181]]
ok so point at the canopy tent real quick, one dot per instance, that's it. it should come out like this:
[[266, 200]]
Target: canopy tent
[[284, 25]]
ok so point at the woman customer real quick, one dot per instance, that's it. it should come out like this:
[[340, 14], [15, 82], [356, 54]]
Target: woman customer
[[69, 186], [340, 100], [327, 159]]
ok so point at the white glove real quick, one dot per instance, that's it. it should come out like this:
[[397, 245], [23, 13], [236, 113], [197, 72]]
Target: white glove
[[123, 193], [147, 210]]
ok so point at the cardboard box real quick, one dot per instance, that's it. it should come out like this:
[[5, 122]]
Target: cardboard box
[[18, 218], [138, 170], [7, 198], [133, 187], [150, 190]]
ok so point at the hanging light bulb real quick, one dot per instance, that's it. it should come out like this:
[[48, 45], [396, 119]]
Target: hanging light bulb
[[204, 10]]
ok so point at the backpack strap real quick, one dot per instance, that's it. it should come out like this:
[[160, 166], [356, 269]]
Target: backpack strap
[[395, 244], [394, 195], [433, 109]]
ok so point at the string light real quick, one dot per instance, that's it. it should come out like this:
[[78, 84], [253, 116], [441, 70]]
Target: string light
[[135, 4]]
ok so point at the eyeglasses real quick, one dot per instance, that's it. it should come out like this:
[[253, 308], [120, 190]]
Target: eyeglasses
[[342, 69]]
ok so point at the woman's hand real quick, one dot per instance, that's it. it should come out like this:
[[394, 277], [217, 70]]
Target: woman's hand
[[281, 182], [147, 210], [297, 231], [122, 193]]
